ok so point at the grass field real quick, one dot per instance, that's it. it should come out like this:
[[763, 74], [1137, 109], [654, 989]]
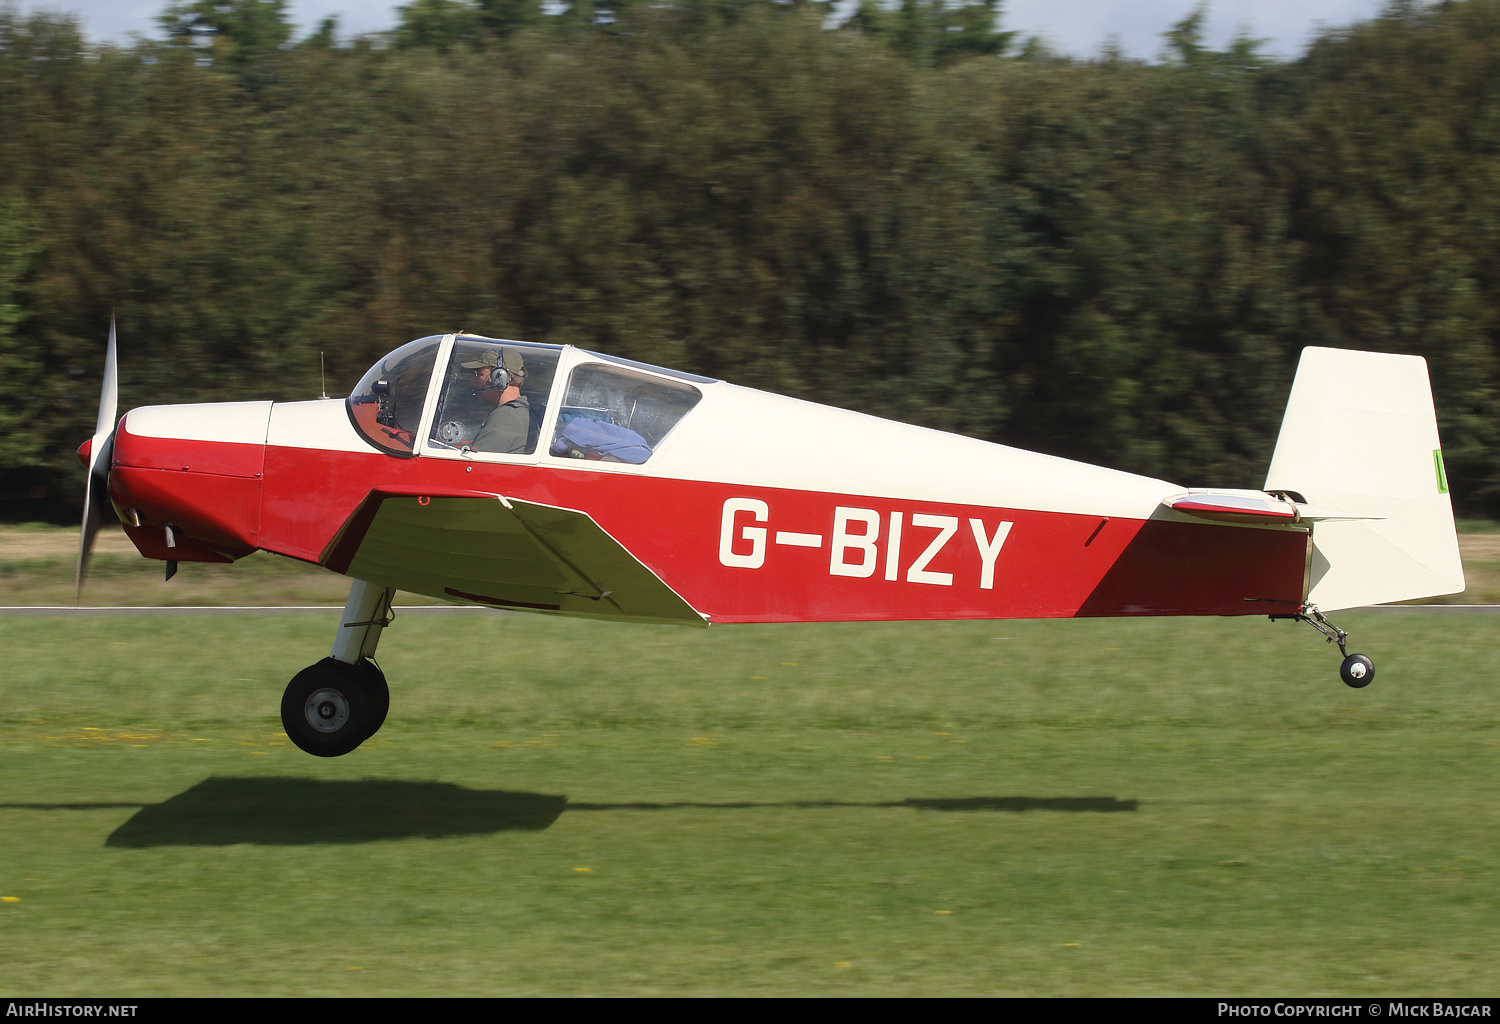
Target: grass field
[[556, 807]]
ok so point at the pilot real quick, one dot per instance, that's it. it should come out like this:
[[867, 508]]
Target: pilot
[[498, 375]]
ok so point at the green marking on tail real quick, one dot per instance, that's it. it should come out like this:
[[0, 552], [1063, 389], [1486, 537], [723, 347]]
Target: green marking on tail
[[1442, 477]]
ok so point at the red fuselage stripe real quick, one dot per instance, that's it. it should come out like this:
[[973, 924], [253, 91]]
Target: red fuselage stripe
[[763, 554]]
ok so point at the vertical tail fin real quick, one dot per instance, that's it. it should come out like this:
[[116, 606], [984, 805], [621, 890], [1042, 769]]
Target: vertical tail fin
[[1359, 444]]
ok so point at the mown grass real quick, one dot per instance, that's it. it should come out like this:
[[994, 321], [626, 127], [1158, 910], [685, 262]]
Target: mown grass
[[555, 807]]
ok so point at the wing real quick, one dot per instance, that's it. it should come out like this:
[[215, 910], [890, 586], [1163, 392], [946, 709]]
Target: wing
[[476, 548]]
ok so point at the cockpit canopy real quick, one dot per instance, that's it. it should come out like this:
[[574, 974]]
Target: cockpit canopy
[[499, 398], [386, 405]]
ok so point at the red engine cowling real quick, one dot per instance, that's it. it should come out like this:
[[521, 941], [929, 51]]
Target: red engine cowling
[[186, 479]]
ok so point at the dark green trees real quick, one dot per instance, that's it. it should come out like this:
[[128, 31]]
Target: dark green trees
[[234, 32], [1109, 260]]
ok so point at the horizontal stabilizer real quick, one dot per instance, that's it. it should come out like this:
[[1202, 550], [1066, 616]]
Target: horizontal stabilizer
[[1235, 507], [1252, 507]]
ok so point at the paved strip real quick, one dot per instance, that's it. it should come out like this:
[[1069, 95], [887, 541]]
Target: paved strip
[[1481, 608]]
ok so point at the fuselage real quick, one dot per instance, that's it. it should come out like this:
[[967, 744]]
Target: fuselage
[[753, 507]]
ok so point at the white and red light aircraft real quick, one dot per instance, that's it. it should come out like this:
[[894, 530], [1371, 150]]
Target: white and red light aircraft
[[639, 493]]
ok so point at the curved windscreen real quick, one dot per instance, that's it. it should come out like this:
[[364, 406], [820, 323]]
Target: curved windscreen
[[386, 406]]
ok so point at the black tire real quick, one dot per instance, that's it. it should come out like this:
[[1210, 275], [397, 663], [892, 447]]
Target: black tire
[[1357, 671], [379, 693], [327, 708]]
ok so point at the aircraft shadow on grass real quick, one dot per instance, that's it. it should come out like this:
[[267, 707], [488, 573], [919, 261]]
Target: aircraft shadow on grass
[[290, 811]]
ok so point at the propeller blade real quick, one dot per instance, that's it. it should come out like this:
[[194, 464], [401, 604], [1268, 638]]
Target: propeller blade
[[109, 396], [101, 448]]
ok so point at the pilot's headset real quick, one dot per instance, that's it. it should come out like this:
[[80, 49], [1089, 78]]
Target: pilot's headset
[[498, 380], [508, 372]]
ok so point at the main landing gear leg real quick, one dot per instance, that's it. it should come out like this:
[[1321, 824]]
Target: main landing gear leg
[[335, 705], [1357, 670]]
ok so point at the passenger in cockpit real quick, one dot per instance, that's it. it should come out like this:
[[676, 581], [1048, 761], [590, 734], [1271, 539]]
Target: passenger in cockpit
[[498, 375]]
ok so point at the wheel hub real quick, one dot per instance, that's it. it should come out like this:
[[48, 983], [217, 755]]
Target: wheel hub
[[327, 710]]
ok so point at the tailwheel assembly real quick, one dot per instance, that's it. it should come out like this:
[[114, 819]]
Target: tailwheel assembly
[[1356, 670]]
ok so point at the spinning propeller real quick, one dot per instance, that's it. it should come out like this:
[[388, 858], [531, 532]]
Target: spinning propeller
[[97, 453]]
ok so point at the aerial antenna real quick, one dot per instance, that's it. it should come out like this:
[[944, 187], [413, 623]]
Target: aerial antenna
[[322, 376]]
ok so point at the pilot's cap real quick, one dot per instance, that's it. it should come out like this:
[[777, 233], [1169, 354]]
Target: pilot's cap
[[512, 360]]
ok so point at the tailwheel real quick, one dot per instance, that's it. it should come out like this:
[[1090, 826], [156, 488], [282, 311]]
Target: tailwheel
[[1357, 670], [330, 708]]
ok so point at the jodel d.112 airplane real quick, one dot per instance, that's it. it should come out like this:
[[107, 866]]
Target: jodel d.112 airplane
[[547, 478]]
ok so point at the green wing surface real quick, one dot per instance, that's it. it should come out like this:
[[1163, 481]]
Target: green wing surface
[[473, 548]]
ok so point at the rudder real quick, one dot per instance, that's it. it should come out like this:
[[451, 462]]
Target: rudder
[[1359, 444]]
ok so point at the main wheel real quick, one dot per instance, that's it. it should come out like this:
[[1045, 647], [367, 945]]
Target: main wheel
[[1357, 671], [380, 695], [327, 708]]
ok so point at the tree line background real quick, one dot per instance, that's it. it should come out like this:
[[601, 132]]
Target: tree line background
[[908, 213]]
